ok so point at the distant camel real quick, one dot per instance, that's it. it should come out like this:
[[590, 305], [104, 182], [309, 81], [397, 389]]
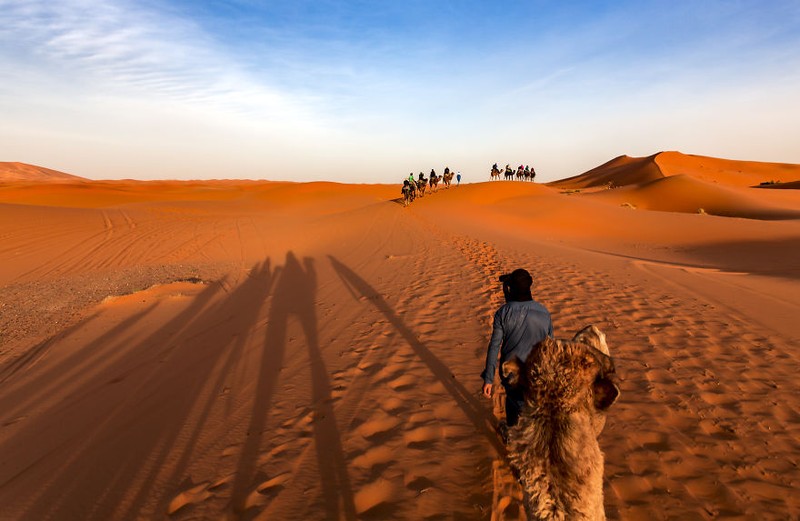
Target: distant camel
[[568, 387], [447, 178], [421, 185], [495, 173], [408, 193], [434, 182]]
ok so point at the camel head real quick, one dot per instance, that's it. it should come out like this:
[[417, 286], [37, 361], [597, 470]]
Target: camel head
[[568, 386], [563, 377]]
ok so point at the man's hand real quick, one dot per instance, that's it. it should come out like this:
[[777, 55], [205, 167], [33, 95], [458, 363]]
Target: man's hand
[[487, 390]]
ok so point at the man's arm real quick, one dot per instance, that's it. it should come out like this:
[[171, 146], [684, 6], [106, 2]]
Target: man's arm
[[493, 351]]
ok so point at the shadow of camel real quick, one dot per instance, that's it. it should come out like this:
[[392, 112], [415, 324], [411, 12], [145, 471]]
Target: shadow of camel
[[294, 297], [471, 408], [131, 412]]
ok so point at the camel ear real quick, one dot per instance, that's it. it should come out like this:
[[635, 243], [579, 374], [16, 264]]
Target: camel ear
[[510, 370], [592, 336], [605, 393]]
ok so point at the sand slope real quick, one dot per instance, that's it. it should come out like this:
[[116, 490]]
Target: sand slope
[[14, 172], [255, 350], [674, 182], [625, 170]]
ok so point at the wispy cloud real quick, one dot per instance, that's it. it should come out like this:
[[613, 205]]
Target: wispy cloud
[[117, 48]]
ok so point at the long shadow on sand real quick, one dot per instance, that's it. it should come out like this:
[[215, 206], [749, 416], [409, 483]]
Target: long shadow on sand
[[125, 413], [132, 415], [471, 408], [294, 297]]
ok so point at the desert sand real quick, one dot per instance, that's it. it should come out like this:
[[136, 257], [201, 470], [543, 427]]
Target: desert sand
[[265, 350]]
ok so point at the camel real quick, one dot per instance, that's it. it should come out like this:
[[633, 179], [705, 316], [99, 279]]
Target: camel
[[568, 387], [433, 182], [495, 174], [447, 178], [421, 186], [408, 193]]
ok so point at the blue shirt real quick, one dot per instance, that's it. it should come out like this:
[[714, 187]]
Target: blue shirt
[[517, 327]]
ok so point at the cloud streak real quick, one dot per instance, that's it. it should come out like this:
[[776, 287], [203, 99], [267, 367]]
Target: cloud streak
[[116, 48]]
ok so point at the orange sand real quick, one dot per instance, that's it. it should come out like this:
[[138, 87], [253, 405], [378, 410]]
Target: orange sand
[[257, 350]]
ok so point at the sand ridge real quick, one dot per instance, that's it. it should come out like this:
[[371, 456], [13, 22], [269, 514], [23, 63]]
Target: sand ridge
[[256, 350], [626, 170]]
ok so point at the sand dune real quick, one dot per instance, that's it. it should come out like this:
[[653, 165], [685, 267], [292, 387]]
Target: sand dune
[[683, 193], [14, 172], [624, 171], [726, 171], [258, 350], [620, 171], [674, 182]]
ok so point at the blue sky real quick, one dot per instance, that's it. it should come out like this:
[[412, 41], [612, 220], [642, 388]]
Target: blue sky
[[359, 91]]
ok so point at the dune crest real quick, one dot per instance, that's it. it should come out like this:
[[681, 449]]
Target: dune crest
[[688, 194], [726, 171], [620, 171], [625, 170], [14, 171]]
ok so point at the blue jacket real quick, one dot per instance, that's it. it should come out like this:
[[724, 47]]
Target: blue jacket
[[517, 327]]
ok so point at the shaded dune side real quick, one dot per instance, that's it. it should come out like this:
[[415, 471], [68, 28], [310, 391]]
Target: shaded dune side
[[792, 185], [620, 171], [625, 170], [14, 171], [726, 171], [687, 194]]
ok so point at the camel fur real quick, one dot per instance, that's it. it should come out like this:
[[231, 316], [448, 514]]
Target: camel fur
[[568, 387]]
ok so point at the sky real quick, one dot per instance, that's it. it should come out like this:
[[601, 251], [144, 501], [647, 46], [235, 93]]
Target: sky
[[369, 91]]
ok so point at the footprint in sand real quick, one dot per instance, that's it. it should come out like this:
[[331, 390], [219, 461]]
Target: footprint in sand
[[376, 500], [403, 383], [196, 494], [378, 455], [422, 438], [394, 405], [420, 484], [379, 428]]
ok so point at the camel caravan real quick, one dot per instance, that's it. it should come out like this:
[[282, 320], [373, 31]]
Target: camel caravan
[[414, 188], [522, 173], [568, 387]]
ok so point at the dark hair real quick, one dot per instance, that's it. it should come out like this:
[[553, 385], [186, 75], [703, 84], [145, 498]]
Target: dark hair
[[517, 285]]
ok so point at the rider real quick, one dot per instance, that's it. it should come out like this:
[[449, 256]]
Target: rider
[[518, 327]]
